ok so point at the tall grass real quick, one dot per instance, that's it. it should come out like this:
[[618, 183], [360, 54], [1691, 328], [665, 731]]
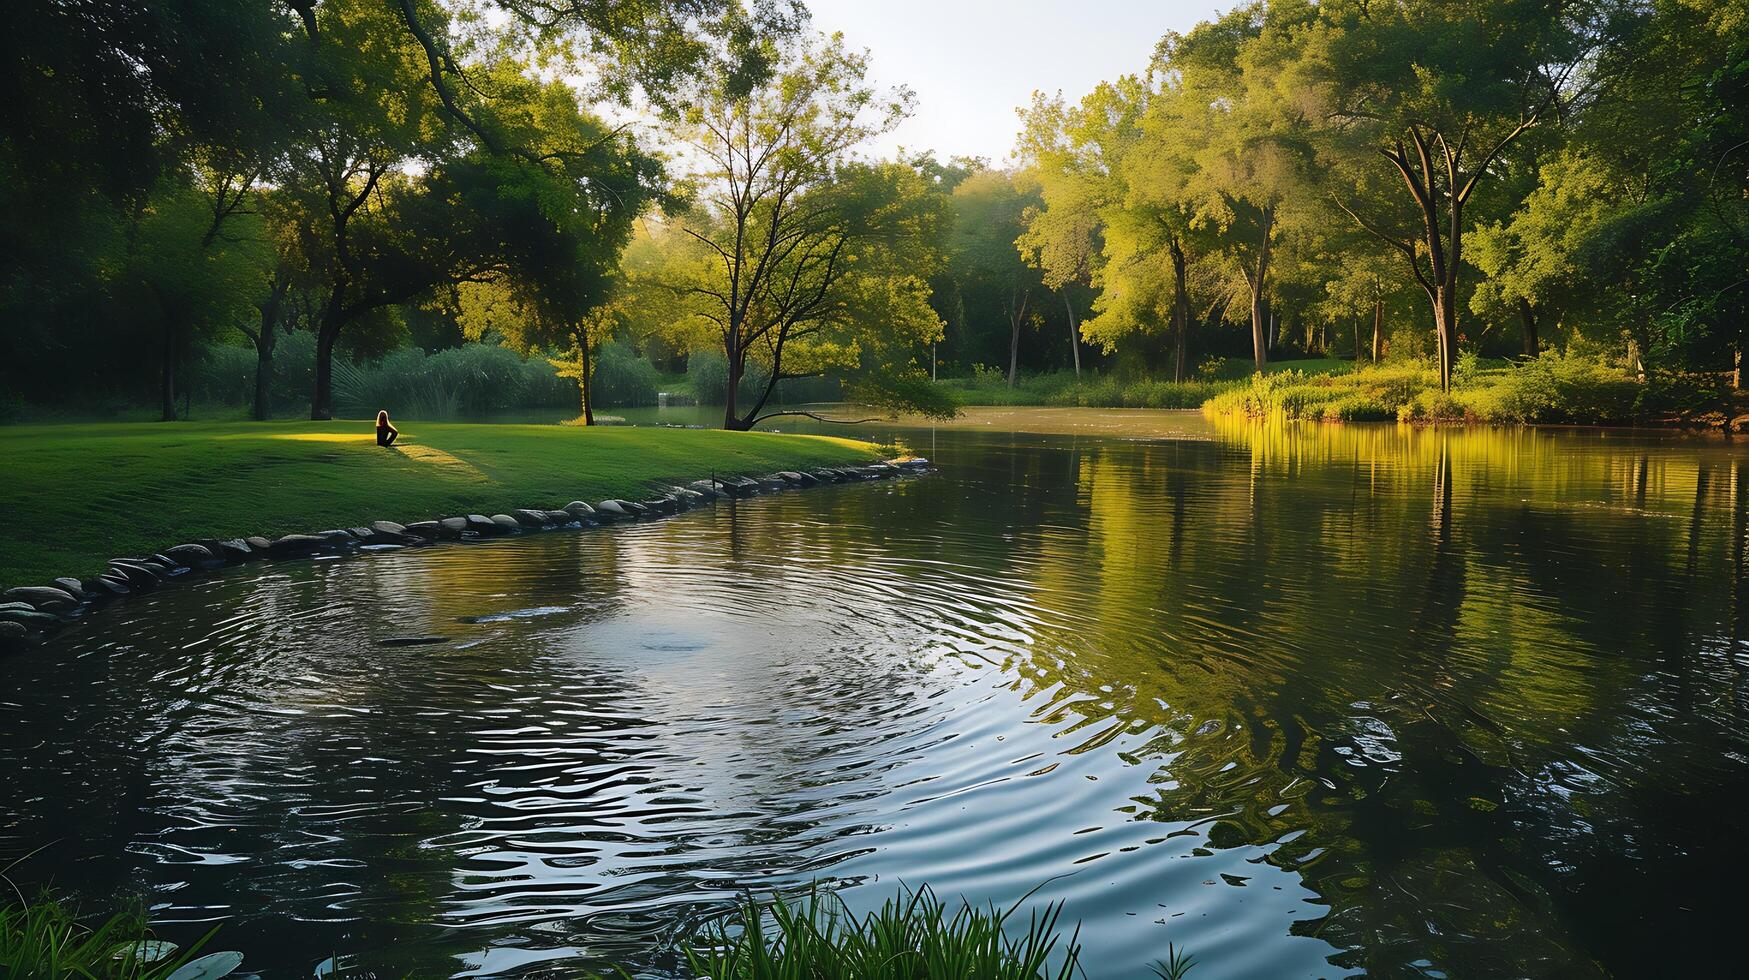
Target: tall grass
[[911, 936], [467, 381], [44, 940], [1547, 389], [988, 386]]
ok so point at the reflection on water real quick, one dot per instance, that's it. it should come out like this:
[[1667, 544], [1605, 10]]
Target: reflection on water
[[1310, 701]]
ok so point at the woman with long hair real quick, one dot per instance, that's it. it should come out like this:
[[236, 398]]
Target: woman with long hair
[[386, 433]]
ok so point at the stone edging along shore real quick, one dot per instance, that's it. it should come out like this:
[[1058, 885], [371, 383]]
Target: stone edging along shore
[[30, 613]]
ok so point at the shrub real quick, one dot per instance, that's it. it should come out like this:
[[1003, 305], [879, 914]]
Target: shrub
[[707, 372], [621, 377]]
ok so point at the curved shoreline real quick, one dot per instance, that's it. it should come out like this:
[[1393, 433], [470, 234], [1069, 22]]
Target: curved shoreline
[[30, 614]]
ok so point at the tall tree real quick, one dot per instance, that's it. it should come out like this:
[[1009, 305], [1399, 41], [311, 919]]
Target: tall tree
[[989, 216], [814, 261], [1437, 92]]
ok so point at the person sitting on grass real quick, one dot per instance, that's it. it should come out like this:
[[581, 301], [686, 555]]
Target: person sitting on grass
[[386, 433]]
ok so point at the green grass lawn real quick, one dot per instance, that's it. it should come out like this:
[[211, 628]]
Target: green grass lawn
[[74, 496]]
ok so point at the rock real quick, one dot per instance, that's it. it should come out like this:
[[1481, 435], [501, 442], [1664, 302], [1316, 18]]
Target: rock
[[481, 524], [559, 517], [107, 587], [31, 619], [451, 528], [659, 505], [338, 537], [411, 641], [190, 555], [915, 464], [366, 534], [579, 509], [771, 482], [388, 527], [530, 518], [72, 587], [259, 543], [506, 523], [237, 551], [790, 477], [706, 489], [297, 545], [612, 510], [42, 597], [138, 575], [17, 607], [166, 565], [12, 635], [736, 486], [825, 475], [428, 530]]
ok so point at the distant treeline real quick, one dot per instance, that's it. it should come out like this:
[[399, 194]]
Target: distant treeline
[[375, 186]]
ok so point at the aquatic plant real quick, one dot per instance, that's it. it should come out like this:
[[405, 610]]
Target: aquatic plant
[[912, 935]]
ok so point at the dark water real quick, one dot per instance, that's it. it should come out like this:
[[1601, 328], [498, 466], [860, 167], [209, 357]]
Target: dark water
[[1308, 701]]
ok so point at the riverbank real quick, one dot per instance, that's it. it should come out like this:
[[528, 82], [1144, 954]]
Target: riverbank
[[77, 495], [1551, 389], [1548, 390], [1062, 389]]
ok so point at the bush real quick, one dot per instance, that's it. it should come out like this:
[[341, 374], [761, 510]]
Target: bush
[[474, 379], [1547, 389], [707, 372], [620, 377]]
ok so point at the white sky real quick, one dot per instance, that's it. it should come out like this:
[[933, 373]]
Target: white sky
[[972, 63]]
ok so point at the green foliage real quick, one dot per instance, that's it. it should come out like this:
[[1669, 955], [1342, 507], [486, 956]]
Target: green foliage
[[988, 386], [472, 380], [45, 940], [1545, 390], [912, 936], [707, 372], [621, 377]]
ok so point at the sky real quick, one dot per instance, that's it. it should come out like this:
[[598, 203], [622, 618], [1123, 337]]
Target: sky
[[973, 62]]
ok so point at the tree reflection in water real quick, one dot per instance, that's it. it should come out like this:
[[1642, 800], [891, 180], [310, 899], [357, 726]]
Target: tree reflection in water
[[1305, 699]]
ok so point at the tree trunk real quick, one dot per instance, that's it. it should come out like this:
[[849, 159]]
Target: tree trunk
[[1016, 316], [1259, 280], [1378, 328], [731, 418], [322, 401], [265, 341], [1074, 335], [1532, 345], [263, 376], [1445, 326], [1259, 332], [582, 339], [1357, 351], [1180, 310], [167, 376]]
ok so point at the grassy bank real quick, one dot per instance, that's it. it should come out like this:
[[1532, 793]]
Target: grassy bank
[[1548, 390], [1061, 389], [76, 495]]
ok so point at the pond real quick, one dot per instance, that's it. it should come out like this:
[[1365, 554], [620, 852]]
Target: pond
[[1308, 701]]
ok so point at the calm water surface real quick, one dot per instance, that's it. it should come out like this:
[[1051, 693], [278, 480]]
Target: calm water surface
[[1309, 701]]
